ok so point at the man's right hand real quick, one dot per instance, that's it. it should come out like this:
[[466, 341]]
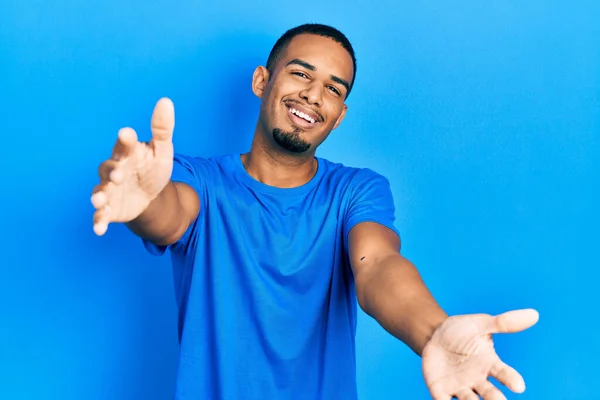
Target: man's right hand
[[137, 172]]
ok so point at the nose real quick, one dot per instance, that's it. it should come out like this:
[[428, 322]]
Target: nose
[[313, 94]]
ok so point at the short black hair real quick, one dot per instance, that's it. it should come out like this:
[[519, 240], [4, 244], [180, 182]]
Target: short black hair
[[315, 29]]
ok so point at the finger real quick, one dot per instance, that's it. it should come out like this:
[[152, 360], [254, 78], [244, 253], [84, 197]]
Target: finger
[[440, 396], [508, 376], [514, 321], [109, 171], [101, 221], [466, 394], [488, 391], [437, 393], [101, 195], [126, 141], [163, 121]]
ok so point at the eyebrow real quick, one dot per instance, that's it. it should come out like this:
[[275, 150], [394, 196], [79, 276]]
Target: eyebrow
[[311, 67]]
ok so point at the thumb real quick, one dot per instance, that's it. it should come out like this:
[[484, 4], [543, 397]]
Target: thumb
[[514, 321], [163, 121]]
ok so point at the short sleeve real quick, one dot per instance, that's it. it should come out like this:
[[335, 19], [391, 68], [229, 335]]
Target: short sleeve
[[371, 200], [184, 171]]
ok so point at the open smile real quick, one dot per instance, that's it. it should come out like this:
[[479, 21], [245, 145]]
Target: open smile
[[301, 117]]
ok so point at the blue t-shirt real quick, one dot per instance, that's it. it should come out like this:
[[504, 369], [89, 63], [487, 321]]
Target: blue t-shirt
[[265, 290]]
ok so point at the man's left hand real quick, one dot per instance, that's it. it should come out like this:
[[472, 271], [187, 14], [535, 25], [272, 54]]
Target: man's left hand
[[460, 357]]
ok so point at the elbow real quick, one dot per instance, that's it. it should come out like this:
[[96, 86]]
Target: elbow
[[363, 293], [376, 282], [164, 234], [172, 237]]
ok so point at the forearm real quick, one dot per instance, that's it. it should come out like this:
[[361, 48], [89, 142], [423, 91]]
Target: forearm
[[164, 221], [394, 294]]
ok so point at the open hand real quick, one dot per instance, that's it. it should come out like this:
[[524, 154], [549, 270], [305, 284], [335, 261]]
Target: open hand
[[460, 356], [137, 172]]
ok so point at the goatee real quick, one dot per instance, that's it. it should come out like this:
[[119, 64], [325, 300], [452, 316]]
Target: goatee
[[290, 141]]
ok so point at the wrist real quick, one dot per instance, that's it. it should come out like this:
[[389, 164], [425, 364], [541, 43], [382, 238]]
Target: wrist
[[432, 327]]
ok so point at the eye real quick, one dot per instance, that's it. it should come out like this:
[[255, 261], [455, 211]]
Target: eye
[[334, 90], [300, 74]]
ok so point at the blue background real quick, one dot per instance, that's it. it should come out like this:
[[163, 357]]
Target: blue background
[[485, 116]]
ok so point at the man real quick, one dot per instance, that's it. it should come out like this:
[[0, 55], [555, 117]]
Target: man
[[272, 248]]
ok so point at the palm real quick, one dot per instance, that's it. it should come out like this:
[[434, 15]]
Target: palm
[[136, 173], [144, 174], [460, 356]]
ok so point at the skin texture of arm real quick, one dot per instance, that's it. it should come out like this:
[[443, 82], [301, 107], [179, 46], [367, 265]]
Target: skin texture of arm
[[168, 216], [390, 289]]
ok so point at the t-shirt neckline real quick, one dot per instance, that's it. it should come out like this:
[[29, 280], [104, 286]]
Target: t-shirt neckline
[[257, 185]]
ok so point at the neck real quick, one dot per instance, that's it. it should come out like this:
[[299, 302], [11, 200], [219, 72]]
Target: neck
[[275, 167]]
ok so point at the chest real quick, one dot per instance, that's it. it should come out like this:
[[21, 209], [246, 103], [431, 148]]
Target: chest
[[286, 236]]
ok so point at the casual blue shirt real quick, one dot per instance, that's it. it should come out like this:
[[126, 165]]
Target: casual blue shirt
[[264, 287]]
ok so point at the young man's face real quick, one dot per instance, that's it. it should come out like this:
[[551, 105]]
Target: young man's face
[[303, 99]]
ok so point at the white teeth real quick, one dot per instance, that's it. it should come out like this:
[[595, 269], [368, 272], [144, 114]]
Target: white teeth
[[302, 115]]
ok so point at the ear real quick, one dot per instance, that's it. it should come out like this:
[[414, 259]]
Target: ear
[[341, 117], [259, 81]]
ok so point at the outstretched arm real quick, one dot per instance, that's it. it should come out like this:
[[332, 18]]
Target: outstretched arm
[[458, 353], [389, 288]]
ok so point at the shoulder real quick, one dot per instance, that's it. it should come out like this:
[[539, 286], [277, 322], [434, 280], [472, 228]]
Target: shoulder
[[351, 177], [205, 166]]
